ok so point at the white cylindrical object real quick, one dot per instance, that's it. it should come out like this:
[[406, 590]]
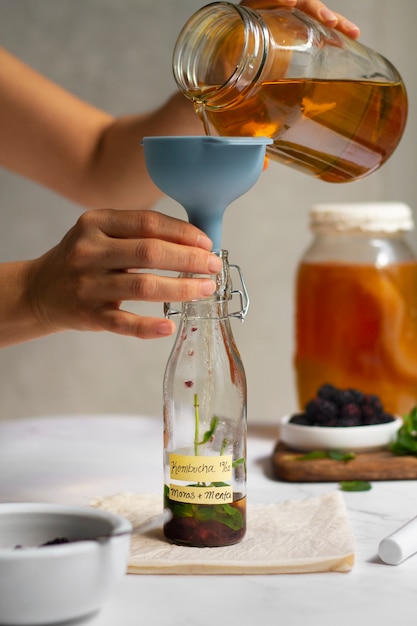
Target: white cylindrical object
[[401, 544]]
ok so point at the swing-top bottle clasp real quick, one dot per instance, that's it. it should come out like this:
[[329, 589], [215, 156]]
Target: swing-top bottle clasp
[[241, 293], [243, 296]]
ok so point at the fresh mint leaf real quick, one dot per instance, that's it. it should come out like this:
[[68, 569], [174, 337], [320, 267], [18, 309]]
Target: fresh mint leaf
[[222, 513], [406, 441], [355, 485], [209, 433], [314, 454], [335, 455], [229, 516]]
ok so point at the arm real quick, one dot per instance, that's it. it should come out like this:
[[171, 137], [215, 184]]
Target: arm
[[61, 142], [83, 153], [51, 137]]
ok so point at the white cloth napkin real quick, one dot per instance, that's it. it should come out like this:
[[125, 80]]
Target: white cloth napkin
[[310, 535]]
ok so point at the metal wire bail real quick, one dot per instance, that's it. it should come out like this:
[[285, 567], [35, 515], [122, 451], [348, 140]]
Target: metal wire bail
[[243, 296]]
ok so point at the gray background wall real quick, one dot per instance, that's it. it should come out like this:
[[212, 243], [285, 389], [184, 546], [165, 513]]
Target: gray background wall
[[116, 54]]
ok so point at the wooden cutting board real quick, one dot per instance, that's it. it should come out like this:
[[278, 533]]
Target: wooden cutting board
[[377, 465]]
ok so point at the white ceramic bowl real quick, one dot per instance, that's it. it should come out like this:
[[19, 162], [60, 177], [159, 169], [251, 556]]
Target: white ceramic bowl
[[345, 439], [52, 584]]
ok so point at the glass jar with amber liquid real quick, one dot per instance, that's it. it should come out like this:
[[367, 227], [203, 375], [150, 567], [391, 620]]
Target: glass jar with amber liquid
[[356, 304], [205, 422], [333, 107]]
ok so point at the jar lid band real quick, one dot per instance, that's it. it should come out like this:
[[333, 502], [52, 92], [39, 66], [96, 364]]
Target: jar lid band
[[387, 217]]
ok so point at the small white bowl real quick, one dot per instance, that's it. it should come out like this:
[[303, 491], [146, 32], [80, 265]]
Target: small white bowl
[[345, 439], [57, 583]]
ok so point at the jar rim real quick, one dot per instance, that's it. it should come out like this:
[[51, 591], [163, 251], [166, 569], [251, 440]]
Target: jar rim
[[188, 68], [367, 217]]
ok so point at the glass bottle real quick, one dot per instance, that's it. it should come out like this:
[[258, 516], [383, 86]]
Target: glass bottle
[[356, 304], [333, 107], [205, 422]]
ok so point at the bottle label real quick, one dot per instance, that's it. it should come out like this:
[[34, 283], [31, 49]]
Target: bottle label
[[200, 468], [201, 494], [208, 476]]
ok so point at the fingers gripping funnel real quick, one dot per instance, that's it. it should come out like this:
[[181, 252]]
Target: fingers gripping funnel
[[205, 174]]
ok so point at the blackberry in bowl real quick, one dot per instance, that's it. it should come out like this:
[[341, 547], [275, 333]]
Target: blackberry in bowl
[[340, 419]]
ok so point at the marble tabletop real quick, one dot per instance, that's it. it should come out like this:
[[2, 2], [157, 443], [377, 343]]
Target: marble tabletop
[[72, 459]]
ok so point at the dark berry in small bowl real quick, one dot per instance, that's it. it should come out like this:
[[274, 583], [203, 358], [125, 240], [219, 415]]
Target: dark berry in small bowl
[[340, 419]]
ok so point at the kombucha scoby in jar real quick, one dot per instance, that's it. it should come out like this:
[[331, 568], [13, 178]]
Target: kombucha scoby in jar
[[356, 326]]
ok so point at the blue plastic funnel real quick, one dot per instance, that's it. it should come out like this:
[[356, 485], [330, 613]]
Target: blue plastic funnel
[[205, 174]]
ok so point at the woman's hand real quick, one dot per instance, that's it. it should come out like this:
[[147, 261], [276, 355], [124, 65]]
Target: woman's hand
[[316, 9], [105, 259]]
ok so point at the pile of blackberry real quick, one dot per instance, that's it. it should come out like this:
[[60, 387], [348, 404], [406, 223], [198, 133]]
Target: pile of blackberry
[[342, 408]]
